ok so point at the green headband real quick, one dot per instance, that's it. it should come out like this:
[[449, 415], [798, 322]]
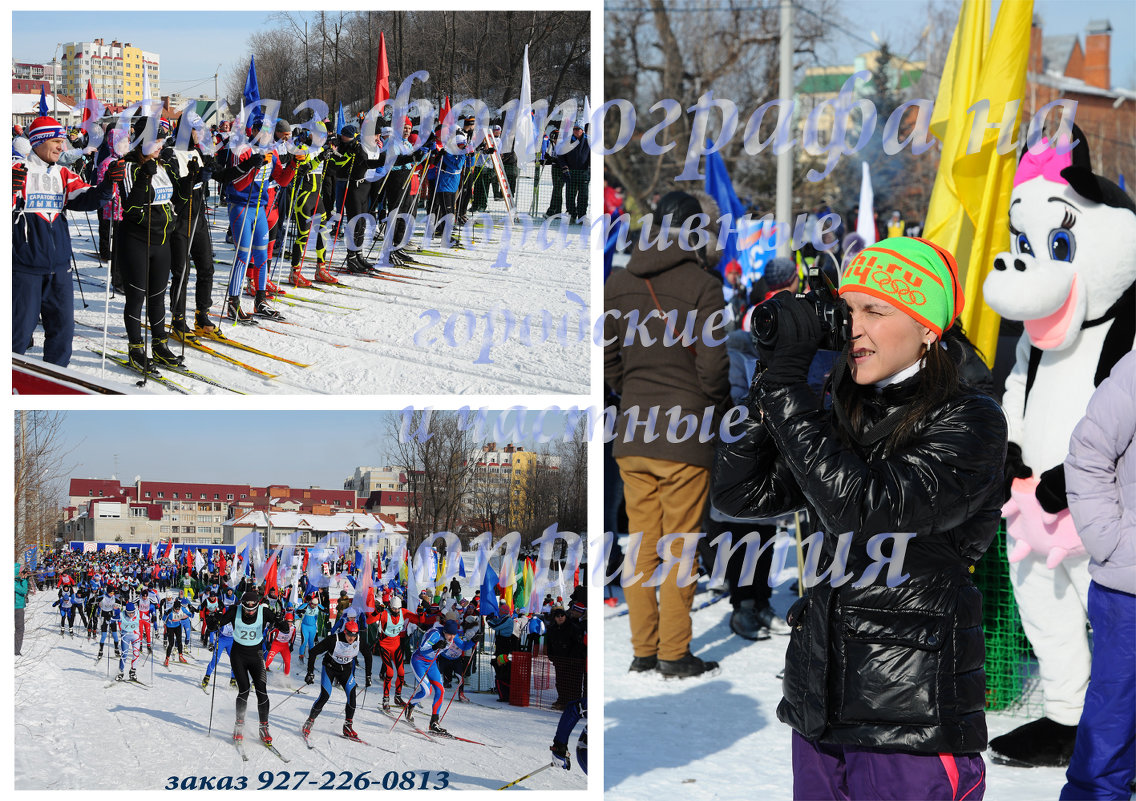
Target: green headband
[[916, 276]]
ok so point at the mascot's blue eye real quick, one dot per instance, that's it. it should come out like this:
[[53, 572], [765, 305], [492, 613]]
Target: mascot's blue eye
[[1024, 245], [1062, 245]]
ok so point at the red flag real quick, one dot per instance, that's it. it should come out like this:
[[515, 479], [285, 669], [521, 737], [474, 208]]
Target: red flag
[[270, 577], [442, 117], [221, 562], [169, 547], [382, 73], [188, 561], [576, 577], [305, 568], [88, 111]]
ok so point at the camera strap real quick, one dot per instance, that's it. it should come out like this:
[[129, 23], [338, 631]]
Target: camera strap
[[663, 317]]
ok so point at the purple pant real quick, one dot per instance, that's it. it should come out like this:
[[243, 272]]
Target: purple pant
[[852, 773]]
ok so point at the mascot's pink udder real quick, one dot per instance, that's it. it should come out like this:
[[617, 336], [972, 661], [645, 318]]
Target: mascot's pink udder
[[1034, 529], [1049, 331]]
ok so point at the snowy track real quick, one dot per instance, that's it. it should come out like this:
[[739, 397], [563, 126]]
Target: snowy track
[[421, 329], [74, 733]]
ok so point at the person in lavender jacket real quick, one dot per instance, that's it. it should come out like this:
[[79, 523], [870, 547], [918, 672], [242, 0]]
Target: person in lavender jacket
[[1100, 477]]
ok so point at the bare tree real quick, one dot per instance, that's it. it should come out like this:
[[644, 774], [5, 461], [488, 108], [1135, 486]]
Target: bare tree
[[41, 467]]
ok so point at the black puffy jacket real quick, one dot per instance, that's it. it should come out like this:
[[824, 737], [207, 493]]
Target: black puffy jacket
[[896, 667]]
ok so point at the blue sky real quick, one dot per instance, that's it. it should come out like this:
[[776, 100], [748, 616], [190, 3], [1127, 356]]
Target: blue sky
[[191, 43], [308, 448]]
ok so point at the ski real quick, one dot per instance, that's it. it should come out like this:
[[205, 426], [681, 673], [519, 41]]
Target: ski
[[448, 736], [241, 749], [199, 377], [158, 379], [357, 739], [127, 681], [232, 343], [289, 300], [272, 748], [411, 725], [223, 357]]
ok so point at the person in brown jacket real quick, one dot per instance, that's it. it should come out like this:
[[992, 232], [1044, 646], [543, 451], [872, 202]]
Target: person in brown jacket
[[667, 384]]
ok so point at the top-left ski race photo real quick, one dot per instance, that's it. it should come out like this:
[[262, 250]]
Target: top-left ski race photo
[[326, 202]]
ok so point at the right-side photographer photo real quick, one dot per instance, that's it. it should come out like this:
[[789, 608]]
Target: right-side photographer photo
[[868, 490]]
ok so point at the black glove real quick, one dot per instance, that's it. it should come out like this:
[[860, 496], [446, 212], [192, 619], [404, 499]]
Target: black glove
[[310, 678], [193, 168], [1014, 468], [439, 645], [115, 172], [150, 167], [796, 339], [1050, 490], [19, 178], [560, 755], [565, 174], [252, 163]]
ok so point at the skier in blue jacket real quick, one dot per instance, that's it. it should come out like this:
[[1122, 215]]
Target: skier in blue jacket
[[425, 666]]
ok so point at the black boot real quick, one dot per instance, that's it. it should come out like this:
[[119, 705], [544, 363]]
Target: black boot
[[233, 311], [643, 664], [181, 330], [686, 667], [262, 309], [163, 356], [202, 324], [434, 727], [138, 358], [1041, 743]]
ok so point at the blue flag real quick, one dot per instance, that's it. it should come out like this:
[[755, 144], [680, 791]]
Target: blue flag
[[461, 568], [719, 187], [42, 102], [489, 593], [30, 557], [251, 94], [1120, 183], [339, 121]]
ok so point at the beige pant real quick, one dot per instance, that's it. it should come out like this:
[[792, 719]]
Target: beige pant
[[662, 498]]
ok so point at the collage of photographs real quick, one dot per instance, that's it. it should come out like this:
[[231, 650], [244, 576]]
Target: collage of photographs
[[761, 369]]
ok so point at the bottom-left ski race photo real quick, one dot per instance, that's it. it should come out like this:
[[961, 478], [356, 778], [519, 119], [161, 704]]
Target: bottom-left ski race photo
[[237, 626]]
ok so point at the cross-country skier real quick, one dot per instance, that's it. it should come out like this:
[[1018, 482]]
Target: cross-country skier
[[223, 635], [283, 636], [310, 204], [309, 613], [427, 677], [392, 627], [249, 619], [128, 621], [338, 668], [568, 720], [174, 621], [108, 604], [68, 602], [248, 177], [147, 609]]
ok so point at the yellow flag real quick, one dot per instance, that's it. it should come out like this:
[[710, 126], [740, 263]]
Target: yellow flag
[[971, 196]]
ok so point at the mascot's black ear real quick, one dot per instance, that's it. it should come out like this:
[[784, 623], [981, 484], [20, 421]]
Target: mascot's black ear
[[1080, 173]]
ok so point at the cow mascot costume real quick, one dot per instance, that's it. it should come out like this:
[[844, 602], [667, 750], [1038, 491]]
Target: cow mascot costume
[[1070, 277]]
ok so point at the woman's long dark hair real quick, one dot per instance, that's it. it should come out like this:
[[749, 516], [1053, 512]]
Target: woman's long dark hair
[[938, 383]]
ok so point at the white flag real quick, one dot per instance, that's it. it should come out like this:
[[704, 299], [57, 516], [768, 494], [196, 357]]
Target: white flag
[[145, 87], [865, 223], [524, 141]]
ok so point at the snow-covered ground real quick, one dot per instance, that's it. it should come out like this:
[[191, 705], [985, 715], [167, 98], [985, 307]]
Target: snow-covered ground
[[718, 736], [72, 732], [418, 329]]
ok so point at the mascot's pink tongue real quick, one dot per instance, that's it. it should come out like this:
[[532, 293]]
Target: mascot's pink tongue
[[1049, 331]]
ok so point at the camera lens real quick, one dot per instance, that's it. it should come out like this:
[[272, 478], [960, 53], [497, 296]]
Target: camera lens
[[764, 323]]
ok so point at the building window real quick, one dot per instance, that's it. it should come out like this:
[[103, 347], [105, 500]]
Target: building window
[[147, 495], [217, 496], [230, 496], [165, 529], [137, 511], [203, 496], [161, 494], [243, 496]]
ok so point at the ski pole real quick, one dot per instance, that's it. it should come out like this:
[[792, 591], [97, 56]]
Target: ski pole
[[75, 268], [527, 775], [403, 710], [294, 693]]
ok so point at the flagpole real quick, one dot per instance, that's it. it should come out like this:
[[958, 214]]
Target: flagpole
[[785, 158]]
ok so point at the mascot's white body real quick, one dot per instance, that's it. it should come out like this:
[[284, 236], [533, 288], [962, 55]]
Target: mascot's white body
[[1070, 276]]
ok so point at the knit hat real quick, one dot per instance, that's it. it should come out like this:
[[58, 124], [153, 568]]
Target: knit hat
[[283, 126], [780, 272], [44, 128], [349, 132], [916, 276]]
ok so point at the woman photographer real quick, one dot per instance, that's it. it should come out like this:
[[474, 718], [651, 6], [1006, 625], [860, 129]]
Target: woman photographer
[[884, 685]]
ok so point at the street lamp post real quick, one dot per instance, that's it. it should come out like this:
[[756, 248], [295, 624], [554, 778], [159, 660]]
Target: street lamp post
[[54, 91]]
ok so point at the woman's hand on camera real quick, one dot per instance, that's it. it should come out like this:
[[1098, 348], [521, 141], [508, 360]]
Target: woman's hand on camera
[[798, 336]]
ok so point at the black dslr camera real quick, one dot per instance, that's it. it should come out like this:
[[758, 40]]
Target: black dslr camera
[[822, 296]]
